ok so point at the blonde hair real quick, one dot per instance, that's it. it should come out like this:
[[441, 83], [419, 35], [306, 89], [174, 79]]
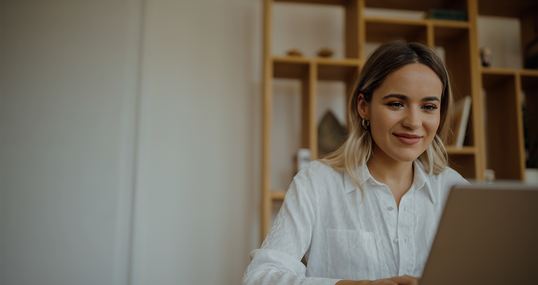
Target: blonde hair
[[358, 146]]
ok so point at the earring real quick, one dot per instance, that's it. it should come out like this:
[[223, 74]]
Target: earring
[[367, 126]]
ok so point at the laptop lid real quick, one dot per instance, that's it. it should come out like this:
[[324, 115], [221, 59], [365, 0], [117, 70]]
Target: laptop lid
[[488, 234]]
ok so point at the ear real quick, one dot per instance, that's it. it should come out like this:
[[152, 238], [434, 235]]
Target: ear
[[363, 107]]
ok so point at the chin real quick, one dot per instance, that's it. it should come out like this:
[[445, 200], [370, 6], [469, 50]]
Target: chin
[[406, 157]]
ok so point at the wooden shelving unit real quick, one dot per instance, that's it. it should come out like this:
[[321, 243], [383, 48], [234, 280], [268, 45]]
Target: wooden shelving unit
[[495, 143]]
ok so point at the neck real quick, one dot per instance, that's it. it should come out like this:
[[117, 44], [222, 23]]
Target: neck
[[397, 175]]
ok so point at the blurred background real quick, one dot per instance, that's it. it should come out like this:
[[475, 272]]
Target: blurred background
[[130, 133]]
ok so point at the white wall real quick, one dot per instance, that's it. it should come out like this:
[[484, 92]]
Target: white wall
[[68, 87], [130, 138], [200, 123], [120, 116]]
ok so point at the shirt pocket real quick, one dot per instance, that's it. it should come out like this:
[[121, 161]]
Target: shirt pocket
[[352, 254]]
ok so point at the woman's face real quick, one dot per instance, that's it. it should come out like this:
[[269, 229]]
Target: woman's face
[[404, 112]]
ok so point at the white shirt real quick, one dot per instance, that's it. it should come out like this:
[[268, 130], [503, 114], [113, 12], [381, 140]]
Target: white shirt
[[322, 216]]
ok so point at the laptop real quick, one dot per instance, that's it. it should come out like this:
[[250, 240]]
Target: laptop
[[488, 234]]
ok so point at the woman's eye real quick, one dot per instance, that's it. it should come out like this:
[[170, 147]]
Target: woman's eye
[[430, 107], [395, 104]]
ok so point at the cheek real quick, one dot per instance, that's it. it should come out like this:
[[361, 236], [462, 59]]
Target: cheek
[[432, 125]]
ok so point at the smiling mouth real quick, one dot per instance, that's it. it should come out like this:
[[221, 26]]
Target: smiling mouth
[[408, 139]]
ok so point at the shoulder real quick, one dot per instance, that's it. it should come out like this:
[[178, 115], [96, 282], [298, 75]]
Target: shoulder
[[452, 177], [447, 178], [318, 171], [444, 181], [318, 176]]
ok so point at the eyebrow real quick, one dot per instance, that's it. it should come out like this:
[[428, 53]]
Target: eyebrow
[[404, 97]]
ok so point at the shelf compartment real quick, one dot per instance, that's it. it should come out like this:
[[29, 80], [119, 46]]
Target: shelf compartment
[[422, 5], [455, 42], [504, 151], [464, 164], [332, 96], [339, 71], [512, 8], [329, 69], [288, 100], [444, 34], [382, 30], [290, 67], [317, 27]]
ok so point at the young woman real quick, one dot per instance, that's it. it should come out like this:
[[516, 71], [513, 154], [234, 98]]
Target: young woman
[[370, 210]]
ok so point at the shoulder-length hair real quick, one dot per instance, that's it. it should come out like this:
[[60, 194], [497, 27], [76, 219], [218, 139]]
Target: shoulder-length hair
[[389, 57]]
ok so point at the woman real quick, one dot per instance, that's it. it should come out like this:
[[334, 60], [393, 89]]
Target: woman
[[370, 210]]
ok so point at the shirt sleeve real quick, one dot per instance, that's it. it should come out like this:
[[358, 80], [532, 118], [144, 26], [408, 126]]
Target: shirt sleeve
[[278, 261]]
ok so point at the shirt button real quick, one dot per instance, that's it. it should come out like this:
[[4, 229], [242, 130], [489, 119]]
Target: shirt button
[[390, 208], [395, 241]]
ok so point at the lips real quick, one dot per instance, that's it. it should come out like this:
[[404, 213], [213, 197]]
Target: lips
[[408, 139]]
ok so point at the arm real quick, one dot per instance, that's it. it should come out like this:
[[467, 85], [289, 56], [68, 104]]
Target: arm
[[278, 261]]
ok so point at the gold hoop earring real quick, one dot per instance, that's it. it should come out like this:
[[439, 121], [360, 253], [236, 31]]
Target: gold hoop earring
[[366, 125]]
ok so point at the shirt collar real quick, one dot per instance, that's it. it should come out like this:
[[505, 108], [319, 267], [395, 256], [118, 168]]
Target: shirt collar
[[421, 180], [363, 175]]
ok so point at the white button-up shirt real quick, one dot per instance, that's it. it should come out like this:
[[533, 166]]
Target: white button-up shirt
[[323, 219]]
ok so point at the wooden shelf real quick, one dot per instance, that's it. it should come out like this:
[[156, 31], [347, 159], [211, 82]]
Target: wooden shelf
[[465, 150], [449, 24], [328, 68], [529, 72], [447, 34], [494, 77], [416, 5], [494, 136], [325, 2], [508, 71], [290, 68], [278, 194], [384, 29], [333, 61]]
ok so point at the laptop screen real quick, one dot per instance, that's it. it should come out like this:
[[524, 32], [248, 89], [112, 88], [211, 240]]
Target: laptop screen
[[488, 234]]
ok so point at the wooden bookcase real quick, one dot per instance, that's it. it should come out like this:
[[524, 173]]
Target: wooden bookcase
[[494, 136]]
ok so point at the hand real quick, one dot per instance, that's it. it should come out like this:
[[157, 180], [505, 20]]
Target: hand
[[399, 280]]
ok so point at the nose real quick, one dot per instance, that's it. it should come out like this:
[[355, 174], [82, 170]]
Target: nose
[[412, 119]]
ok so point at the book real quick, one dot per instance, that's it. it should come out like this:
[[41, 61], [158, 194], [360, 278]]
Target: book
[[445, 14], [458, 122]]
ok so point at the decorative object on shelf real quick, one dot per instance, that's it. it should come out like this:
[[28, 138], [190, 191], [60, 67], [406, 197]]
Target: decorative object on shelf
[[531, 176], [295, 52], [331, 134], [485, 56], [304, 156], [490, 176], [458, 122], [531, 54], [446, 14], [325, 52]]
